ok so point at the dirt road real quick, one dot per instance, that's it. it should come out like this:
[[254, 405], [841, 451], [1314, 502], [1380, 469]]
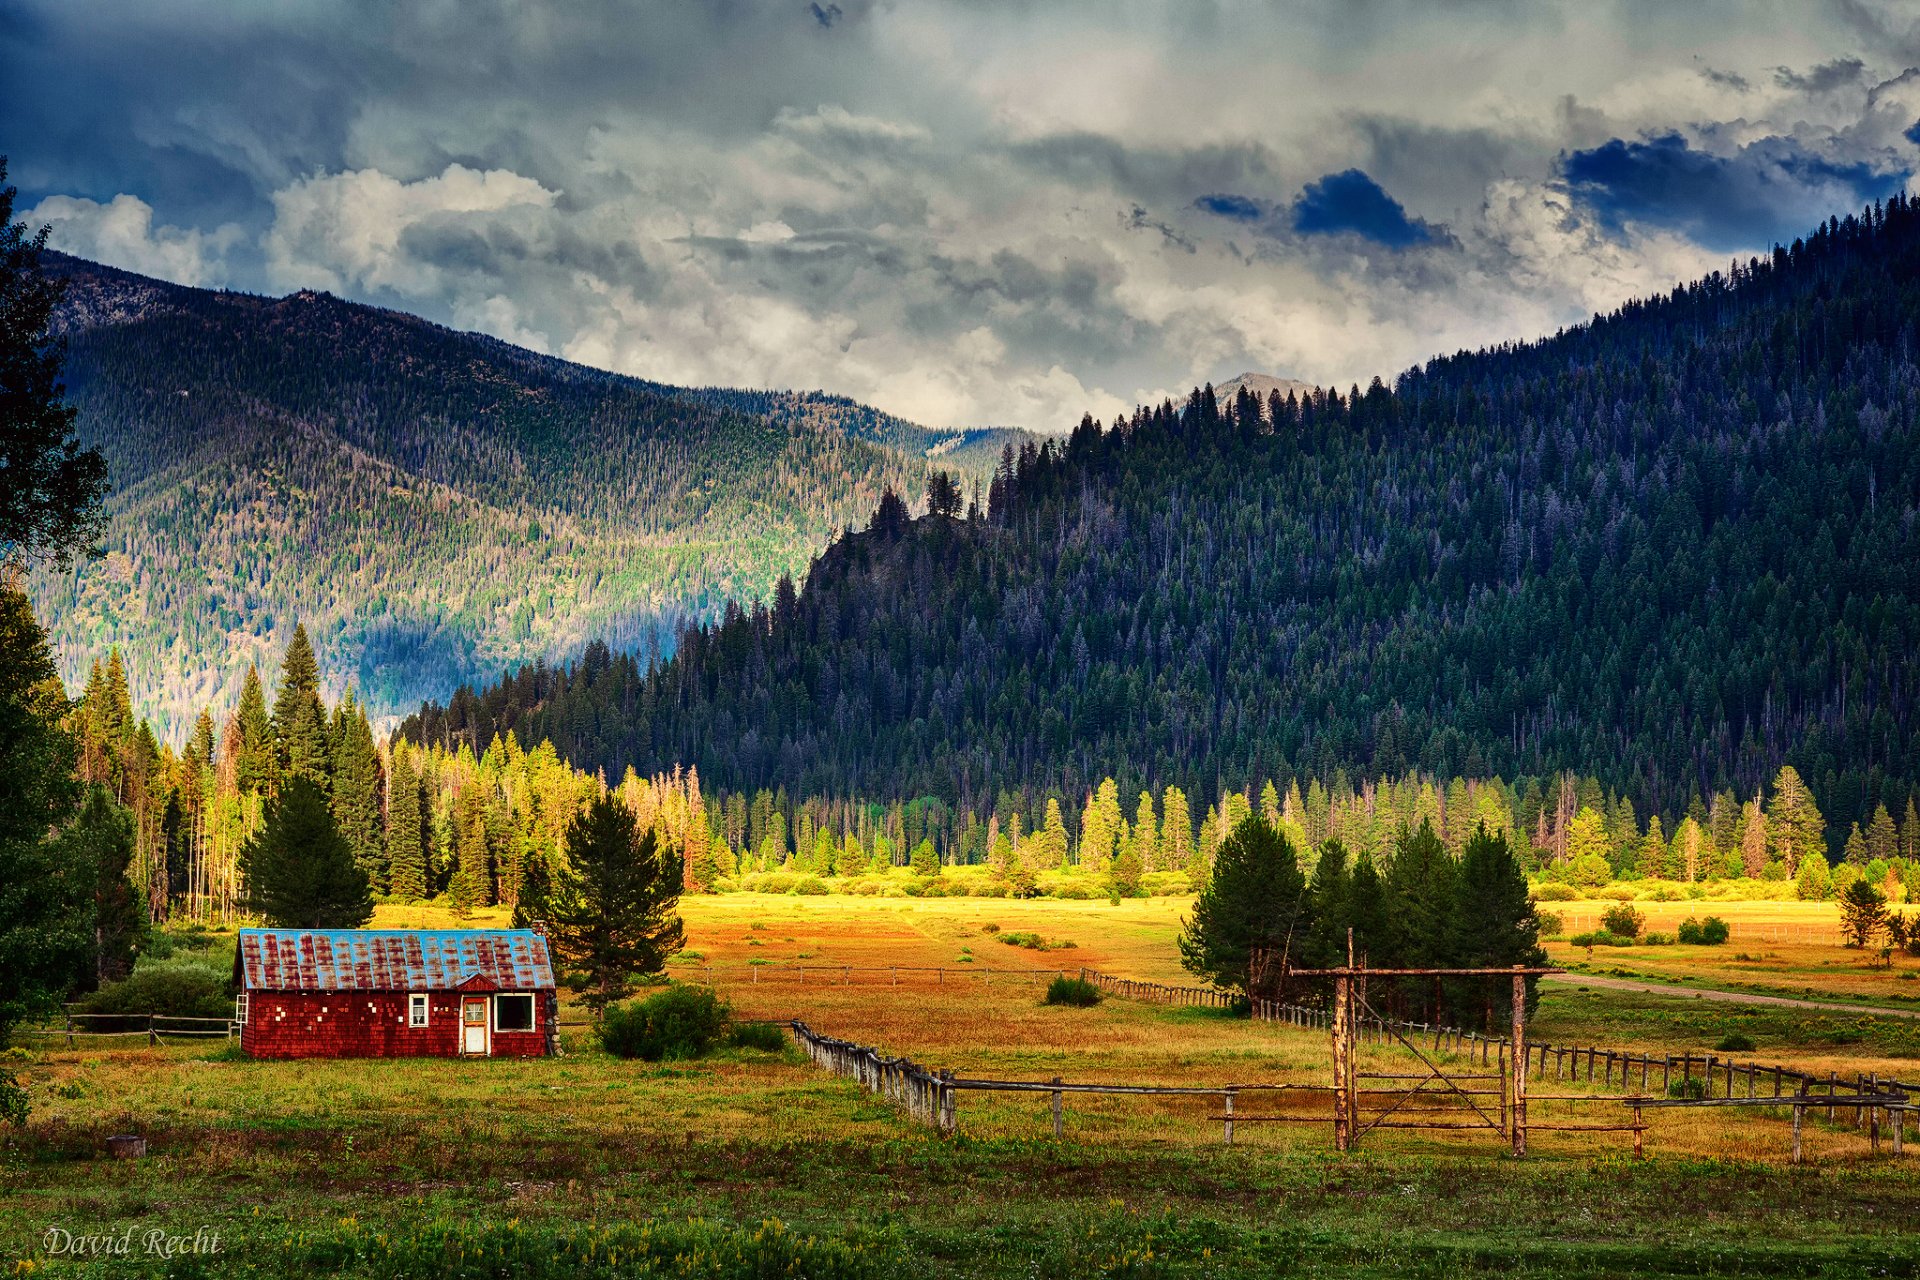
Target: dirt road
[[1730, 997]]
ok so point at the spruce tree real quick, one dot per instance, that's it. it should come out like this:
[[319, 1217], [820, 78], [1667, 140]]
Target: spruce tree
[[1492, 926], [1176, 830], [1256, 898], [1794, 825], [1326, 943], [1420, 888], [406, 829], [1146, 834], [101, 839], [299, 721], [611, 916], [253, 760], [298, 869], [1883, 841], [46, 891], [357, 784]]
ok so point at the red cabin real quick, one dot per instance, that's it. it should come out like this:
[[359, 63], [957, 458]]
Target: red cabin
[[394, 993]]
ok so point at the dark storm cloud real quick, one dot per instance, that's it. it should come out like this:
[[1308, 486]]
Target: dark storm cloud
[[1828, 76], [969, 210], [1766, 191], [1351, 202]]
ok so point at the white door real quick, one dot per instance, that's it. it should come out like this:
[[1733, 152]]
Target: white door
[[473, 1026]]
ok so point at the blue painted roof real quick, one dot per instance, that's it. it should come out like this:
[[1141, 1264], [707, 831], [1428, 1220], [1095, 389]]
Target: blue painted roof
[[391, 959]]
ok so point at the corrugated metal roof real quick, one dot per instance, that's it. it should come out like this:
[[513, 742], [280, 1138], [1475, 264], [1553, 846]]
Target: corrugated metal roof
[[390, 959]]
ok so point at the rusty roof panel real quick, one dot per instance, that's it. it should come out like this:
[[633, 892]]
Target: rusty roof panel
[[391, 959]]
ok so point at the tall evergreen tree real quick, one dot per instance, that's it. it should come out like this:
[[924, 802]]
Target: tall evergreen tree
[[102, 840], [299, 870], [254, 757], [50, 488], [406, 829], [1492, 925], [611, 917], [1794, 825], [46, 898], [357, 785], [1421, 889], [299, 721], [1255, 898]]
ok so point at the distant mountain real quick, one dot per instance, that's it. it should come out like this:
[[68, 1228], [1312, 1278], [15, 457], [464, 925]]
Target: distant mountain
[[1673, 548], [436, 506], [971, 451], [1261, 386]]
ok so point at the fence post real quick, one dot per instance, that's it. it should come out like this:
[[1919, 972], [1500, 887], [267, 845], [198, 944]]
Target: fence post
[[1229, 1095], [1057, 1113], [1517, 1117], [1342, 1121], [69, 1028], [152, 1039], [1639, 1134], [1799, 1115]]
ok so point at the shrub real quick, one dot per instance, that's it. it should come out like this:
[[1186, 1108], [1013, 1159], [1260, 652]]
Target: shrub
[[1624, 920], [1073, 892], [179, 988], [1552, 891], [1600, 938], [679, 1022], [1552, 923], [1711, 932], [811, 886], [767, 1037], [1619, 892], [1077, 992], [1734, 1042], [1657, 940], [989, 927], [1695, 1088]]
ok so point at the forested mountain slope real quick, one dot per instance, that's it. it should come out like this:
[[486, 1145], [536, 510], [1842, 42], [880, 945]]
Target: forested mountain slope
[[1673, 547], [970, 452], [436, 506]]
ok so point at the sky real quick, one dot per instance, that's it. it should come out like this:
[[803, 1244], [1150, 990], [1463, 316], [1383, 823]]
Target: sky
[[1003, 212]]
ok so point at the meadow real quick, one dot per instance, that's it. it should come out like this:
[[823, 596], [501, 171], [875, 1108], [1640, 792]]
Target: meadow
[[561, 1166]]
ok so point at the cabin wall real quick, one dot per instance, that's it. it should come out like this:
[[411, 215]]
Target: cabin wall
[[373, 1024]]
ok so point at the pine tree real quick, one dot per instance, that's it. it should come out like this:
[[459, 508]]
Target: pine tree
[[925, 862], [1325, 945], [1176, 830], [1256, 898], [299, 721], [1794, 824], [1420, 889], [1910, 832], [253, 758], [357, 787], [1493, 926], [299, 870], [1050, 842], [406, 829], [472, 865], [1753, 839], [611, 917], [101, 839], [1883, 841], [1146, 834]]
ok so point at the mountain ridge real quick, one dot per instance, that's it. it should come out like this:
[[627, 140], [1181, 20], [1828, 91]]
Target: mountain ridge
[[436, 505]]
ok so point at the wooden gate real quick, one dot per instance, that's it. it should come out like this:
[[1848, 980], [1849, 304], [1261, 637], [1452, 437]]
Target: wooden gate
[[1438, 1090]]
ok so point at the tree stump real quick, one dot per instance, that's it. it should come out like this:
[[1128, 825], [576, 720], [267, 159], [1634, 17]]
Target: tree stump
[[126, 1146]]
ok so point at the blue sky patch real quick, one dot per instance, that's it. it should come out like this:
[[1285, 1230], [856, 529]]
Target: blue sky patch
[[1768, 191], [1351, 202]]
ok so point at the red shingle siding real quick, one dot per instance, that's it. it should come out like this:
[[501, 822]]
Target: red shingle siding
[[360, 1024]]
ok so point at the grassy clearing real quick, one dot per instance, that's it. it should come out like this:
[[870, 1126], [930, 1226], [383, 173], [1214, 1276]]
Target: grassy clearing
[[553, 1167]]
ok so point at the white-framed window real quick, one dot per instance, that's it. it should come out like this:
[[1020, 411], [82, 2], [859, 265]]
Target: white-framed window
[[240, 1008], [416, 1011], [513, 1012]]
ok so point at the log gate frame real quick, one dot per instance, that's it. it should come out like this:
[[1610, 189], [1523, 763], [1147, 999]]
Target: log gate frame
[[1350, 1004]]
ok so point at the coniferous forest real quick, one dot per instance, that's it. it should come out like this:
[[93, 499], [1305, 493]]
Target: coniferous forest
[[1672, 548], [434, 505]]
